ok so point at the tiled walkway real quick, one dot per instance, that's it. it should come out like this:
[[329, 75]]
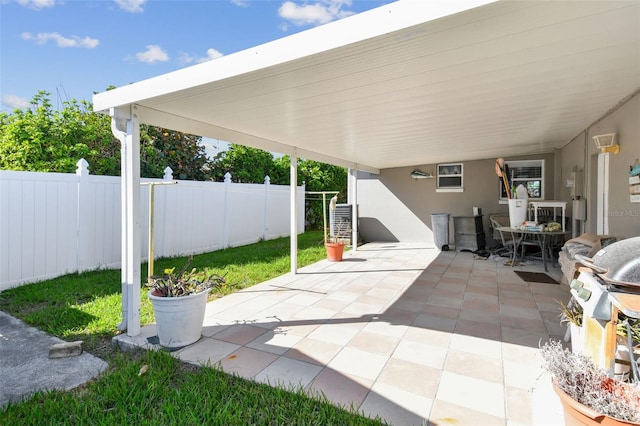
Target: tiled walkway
[[400, 331]]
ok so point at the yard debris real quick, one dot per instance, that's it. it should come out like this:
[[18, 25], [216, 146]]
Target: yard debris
[[143, 369]]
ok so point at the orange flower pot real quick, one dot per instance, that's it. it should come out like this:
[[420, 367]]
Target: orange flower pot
[[576, 414], [334, 251]]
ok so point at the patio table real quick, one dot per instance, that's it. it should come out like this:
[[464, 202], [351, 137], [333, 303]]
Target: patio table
[[545, 240]]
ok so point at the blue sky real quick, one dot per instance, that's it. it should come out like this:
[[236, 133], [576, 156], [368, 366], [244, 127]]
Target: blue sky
[[73, 48]]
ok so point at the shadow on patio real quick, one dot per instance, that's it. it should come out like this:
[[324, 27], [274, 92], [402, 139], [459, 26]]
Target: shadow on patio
[[397, 330]]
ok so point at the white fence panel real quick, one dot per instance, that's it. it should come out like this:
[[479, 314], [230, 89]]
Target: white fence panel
[[38, 226], [53, 223], [246, 208], [278, 220]]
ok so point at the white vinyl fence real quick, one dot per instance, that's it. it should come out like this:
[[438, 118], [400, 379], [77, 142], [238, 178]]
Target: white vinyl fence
[[54, 223]]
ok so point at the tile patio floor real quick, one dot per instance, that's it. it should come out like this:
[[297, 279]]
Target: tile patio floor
[[402, 331]]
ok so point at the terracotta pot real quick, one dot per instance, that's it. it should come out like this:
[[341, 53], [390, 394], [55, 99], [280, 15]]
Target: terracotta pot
[[334, 251], [576, 414]]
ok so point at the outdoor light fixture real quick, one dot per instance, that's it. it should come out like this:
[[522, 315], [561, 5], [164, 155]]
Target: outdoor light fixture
[[418, 174], [606, 143]]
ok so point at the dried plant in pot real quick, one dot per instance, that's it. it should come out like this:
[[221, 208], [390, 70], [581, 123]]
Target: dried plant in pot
[[571, 314], [335, 243], [589, 396], [179, 303]]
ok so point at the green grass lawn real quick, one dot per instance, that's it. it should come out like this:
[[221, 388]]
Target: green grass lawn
[[87, 307]]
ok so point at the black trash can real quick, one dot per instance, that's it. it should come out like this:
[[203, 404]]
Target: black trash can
[[440, 228]]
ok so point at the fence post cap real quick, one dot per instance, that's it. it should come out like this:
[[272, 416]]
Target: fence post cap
[[168, 173], [82, 167]]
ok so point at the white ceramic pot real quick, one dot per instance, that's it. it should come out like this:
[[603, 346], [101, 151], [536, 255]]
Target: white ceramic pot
[[577, 338], [179, 319]]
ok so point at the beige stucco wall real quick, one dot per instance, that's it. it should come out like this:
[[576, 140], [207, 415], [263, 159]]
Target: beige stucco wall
[[581, 152], [395, 207]]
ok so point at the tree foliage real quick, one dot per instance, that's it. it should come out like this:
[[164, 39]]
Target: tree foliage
[[46, 140], [317, 177], [245, 164], [183, 152], [251, 165]]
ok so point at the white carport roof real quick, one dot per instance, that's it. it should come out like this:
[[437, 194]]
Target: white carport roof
[[412, 82]]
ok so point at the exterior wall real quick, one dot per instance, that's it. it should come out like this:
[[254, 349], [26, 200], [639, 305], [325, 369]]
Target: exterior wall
[[54, 223], [581, 152], [395, 207]]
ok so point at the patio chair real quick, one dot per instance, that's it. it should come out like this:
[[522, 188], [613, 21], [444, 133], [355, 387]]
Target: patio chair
[[508, 240], [528, 240]]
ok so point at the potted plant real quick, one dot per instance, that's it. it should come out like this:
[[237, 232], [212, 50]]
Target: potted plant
[[588, 395], [335, 250], [571, 314], [334, 244], [179, 301]]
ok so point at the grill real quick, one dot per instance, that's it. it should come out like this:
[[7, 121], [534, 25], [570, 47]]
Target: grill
[[608, 283], [618, 265]]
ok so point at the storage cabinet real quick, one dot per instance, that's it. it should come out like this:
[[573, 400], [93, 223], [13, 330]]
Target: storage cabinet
[[469, 233]]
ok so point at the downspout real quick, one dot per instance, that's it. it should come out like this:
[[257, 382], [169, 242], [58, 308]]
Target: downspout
[[121, 135], [126, 128]]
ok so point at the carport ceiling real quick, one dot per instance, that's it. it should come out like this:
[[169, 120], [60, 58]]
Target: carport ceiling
[[411, 83]]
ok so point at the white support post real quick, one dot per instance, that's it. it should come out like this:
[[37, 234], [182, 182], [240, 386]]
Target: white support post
[[265, 219], [293, 170], [352, 195], [225, 215], [125, 126]]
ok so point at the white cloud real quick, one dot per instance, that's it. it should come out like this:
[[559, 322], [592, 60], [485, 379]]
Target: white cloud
[[154, 53], [212, 54], [241, 3], [61, 41], [14, 101], [317, 13], [133, 6], [37, 4]]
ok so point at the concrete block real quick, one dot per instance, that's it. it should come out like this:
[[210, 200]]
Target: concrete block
[[65, 350]]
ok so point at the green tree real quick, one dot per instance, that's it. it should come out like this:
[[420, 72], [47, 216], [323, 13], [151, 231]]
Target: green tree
[[183, 152], [317, 177], [43, 139], [46, 140], [246, 164]]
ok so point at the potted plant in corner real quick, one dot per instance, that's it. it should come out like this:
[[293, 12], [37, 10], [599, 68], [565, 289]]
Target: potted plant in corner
[[588, 395], [334, 248], [179, 301], [334, 240]]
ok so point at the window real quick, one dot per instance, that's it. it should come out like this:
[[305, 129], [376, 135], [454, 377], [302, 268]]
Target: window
[[450, 177], [529, 173]]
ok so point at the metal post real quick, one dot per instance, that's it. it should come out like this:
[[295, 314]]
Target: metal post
[[324, 214], [152, 204]]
